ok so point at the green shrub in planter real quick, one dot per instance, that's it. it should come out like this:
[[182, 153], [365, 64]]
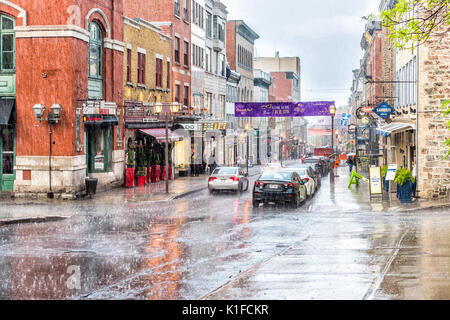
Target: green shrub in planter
[[403, 175], [384, 170], [141, 172]]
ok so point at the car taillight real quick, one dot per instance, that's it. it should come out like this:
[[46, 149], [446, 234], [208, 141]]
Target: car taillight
[[212, 179], [306, 179], [289, 185], [235, 179], [259, 184]]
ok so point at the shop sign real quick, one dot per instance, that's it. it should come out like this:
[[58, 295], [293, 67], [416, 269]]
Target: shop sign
[[214, 126], [140, 114], [102, 107], [383, 110]]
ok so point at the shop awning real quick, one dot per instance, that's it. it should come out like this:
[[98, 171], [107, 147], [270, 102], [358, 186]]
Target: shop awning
[[160, 135], [6, 107], [394, 127]]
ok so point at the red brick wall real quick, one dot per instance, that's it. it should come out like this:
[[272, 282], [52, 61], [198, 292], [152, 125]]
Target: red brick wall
[[65, 62], [283, 88], [231, 44], [376, 65]]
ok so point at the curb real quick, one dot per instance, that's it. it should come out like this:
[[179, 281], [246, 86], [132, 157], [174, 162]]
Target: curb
[[10, 221], [436, 206]]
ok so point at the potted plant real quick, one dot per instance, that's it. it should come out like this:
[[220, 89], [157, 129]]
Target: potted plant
[[141, 176], [384, 171], [129, 182], [404, 180]]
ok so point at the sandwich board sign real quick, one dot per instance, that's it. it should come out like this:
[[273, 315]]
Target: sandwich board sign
[[375, 181], [392, 170]]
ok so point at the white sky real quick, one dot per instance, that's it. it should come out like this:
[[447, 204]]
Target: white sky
[[325, 35]]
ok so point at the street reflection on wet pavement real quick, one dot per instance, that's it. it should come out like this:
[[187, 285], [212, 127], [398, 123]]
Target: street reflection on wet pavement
[[337, 246]]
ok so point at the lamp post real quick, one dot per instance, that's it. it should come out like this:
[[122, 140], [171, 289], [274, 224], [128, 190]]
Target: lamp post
[[247, 129], [166, 113], [333, 113], [281, 148], [53, 117]]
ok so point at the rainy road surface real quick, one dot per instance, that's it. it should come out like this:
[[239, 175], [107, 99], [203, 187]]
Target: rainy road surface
[[337, 246]]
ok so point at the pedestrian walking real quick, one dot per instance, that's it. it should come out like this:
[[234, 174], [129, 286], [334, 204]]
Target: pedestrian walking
[[350, 164]]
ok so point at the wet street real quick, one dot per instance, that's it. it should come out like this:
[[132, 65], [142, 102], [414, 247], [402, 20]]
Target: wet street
[[338, 245]]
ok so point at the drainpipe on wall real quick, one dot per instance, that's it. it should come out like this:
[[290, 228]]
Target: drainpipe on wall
[[417, 118]]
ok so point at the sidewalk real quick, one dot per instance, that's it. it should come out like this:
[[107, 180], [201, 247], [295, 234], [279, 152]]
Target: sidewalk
[[155, 192], [357, 199]]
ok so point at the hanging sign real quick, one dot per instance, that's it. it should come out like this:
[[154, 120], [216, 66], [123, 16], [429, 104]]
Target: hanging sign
[[375, 181], [384, 110]]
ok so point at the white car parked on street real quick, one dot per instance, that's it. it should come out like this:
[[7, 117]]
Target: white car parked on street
[[306, 176]]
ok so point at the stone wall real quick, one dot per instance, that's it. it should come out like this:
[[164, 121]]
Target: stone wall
[[434, 87]]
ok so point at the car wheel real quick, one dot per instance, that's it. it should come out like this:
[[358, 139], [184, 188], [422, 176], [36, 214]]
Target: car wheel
[[256, 203], [210, 191]]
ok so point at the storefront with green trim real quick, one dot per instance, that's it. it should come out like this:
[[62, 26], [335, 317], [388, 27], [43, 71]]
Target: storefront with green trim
[[7, 103]]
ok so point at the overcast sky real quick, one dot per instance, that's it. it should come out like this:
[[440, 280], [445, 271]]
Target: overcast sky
[[325, 35]]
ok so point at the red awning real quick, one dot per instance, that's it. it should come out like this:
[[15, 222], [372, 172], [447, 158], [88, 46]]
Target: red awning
[[160, 135]]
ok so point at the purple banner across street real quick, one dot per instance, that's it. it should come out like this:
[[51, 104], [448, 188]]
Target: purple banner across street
[[283, 109]]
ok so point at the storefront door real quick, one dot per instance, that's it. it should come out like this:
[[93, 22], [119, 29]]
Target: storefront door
[[7, 159], [99, 149]]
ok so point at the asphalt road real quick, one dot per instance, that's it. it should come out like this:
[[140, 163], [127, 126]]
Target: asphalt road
[[337, 246]]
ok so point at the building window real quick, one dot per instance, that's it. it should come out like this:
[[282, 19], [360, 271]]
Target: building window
[[177, 93], [159, 67], [168, 75], [141, 68], [177, 50], [95, 81], [7, 44], [186, 95], [177, 8], [209, 25], [186, 10], [219, 28], [208, 59], [186, 54], [222, 65], [128, 65]]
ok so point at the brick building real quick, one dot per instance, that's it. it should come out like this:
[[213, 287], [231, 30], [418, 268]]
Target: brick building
[[173, 17], [240, 41], [69, 55]]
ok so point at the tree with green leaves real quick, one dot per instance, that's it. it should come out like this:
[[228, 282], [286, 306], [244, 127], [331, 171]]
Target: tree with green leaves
[[412, 23]]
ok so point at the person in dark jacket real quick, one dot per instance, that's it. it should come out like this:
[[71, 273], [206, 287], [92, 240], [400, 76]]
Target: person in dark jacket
[[350, 163]]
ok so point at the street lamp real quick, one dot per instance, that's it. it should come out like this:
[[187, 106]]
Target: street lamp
[[281, 148], [332, 110], [247, 129], [53, 117]]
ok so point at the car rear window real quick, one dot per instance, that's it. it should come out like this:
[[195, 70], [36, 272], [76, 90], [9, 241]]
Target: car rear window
[[225, 171], [276, 176]]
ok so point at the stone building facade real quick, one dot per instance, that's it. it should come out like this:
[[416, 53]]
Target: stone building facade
[[433, 89], [70, 55]]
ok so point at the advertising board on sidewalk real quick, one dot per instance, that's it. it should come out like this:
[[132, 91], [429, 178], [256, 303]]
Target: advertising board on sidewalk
[[375, 181]]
